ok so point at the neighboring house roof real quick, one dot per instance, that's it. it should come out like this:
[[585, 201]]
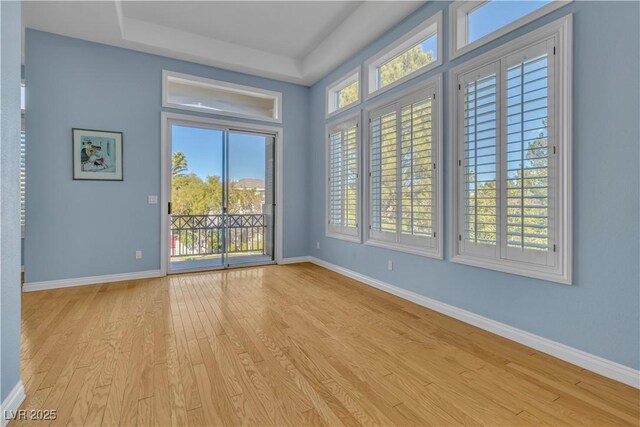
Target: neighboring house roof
[[250, 183]]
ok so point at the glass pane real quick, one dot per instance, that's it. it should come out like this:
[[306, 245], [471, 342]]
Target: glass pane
[[497, 14], [348, 95], [250, 213], [412, 59], [196, 198]]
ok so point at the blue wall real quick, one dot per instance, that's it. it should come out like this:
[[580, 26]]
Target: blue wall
[[600, 312], [84, 228], [10, 29]]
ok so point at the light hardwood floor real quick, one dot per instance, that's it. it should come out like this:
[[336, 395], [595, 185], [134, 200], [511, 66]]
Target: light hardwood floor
[[288, 345]]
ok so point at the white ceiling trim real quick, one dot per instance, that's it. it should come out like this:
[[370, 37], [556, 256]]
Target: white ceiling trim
[[362, 26], [204, 50]]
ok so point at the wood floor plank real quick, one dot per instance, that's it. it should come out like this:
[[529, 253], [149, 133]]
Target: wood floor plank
[[293, 345], [177, 399], [195, 418], [192, 397], [145, 414], [97, 407]]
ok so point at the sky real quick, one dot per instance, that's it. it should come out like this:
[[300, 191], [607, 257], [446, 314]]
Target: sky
[[430, 45], [203, 150], [496, 14]]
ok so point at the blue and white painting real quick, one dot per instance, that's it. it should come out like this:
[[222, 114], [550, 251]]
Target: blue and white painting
[[97, 155]]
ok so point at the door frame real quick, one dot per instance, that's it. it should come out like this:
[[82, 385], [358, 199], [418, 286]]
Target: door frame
[[166, 119]]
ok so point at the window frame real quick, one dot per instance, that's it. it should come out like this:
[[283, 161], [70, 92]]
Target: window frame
[[330, 230], [561, 31], [331, 107], [459, 11], [398, 46], [434, 83], [222, 85]]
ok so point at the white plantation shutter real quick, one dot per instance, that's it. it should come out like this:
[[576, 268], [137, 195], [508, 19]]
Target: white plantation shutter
[[23, 178], [417, 173], [343, 183], [384, 174], [529, 167], [513, 140], [479, 165], [402, 167], [335, 177], [504, 169]]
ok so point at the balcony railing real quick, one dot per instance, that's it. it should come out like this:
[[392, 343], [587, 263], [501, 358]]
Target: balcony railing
[[201, 235]]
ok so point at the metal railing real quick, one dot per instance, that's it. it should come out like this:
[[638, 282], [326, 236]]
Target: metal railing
[[200, 235]]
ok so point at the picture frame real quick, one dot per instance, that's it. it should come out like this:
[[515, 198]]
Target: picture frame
[[97, 155]]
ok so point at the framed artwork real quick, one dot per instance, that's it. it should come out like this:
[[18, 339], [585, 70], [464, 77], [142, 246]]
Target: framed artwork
[[97, 155]]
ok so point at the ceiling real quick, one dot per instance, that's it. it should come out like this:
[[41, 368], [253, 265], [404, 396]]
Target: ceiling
[[298, 42]]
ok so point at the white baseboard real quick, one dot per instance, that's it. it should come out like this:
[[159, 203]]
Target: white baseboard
[[295, 260], [599, 365], [83, 281], [11, 404]]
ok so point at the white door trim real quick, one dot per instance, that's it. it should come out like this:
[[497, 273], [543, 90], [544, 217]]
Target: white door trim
[[165, 164]]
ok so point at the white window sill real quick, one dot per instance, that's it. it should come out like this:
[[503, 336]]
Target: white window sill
[[343, 109], [346, 237], [520, 269], [425, 252]]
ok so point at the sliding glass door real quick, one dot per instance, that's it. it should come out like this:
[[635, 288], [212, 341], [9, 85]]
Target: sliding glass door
[[250, 198], [221, 197]]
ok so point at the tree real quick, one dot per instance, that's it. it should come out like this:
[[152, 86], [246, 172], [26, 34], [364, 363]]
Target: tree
[[191, 196], [178, 163], [244, 200], [348, 94], [201, 200], [406, 63]]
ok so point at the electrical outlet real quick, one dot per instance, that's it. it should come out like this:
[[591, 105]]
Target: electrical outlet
[[138, 254], [389, 265], [317, 245], [153, 200]]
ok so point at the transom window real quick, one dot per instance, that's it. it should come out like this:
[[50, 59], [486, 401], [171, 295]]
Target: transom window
[[209, 96], [344, 93], [405, 63], [404, 149], [512, 156], [474, 23], [343, 195], [415, 53]]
